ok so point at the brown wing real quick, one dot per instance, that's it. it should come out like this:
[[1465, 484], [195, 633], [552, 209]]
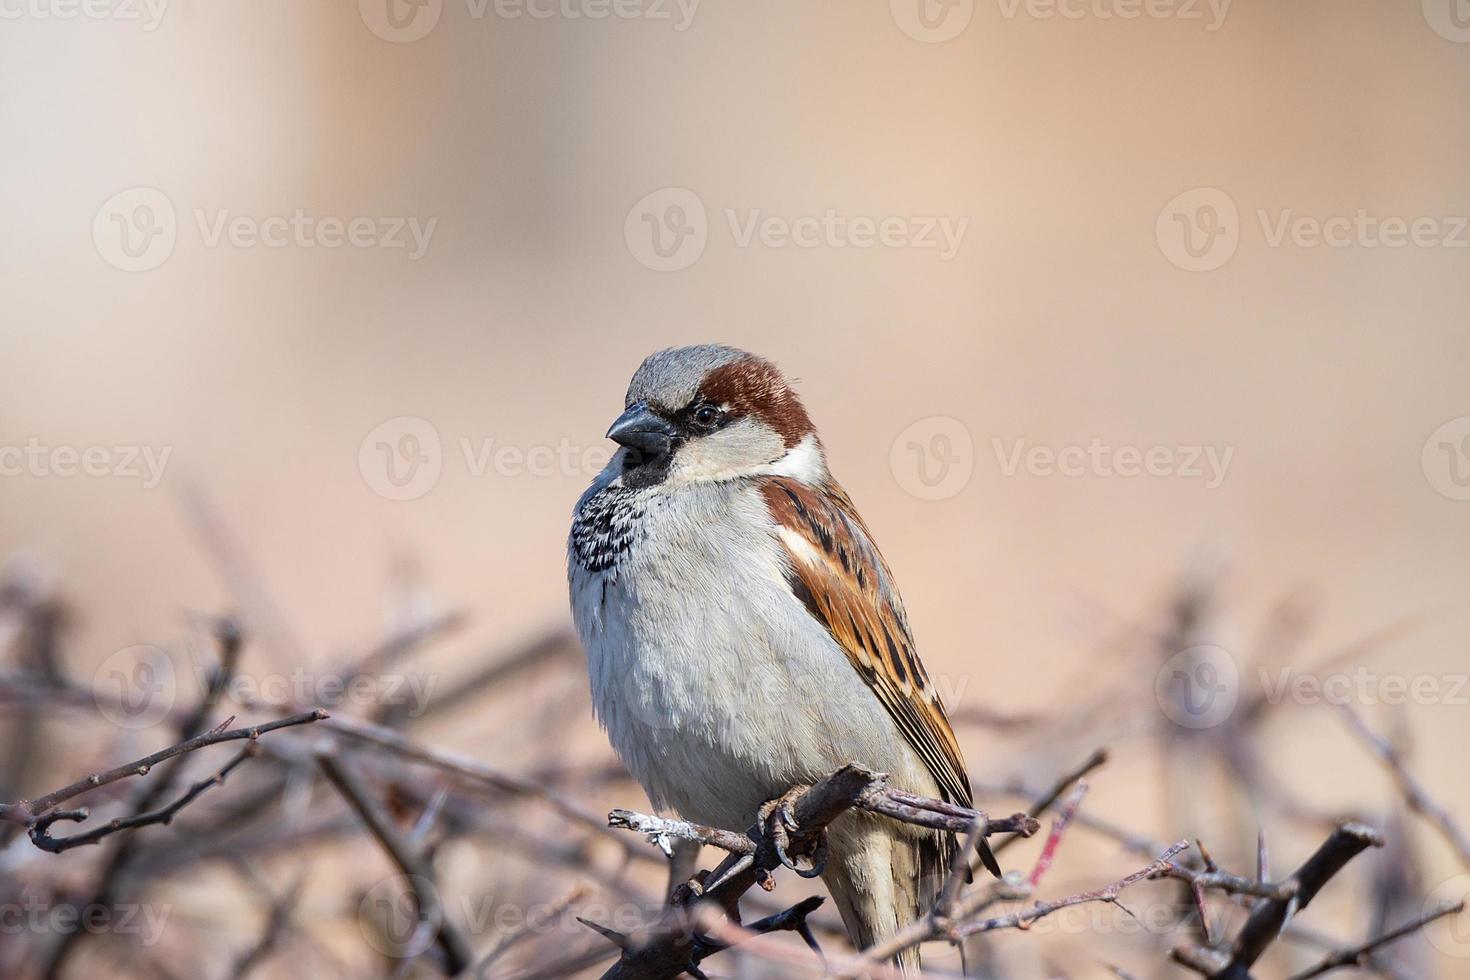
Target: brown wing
[[837, 572], [839, 575]]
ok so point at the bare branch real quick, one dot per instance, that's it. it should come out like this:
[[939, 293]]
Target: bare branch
[[457, 952], [1361, 955], [1414, 793], [1044, 802], [1108, 893], [1269, 917], [28, 811], [40, 829]]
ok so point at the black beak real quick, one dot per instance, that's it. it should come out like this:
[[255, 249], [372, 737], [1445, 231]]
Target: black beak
[[639, 428]]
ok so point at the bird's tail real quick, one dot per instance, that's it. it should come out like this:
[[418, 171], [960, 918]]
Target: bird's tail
[[878, 882]]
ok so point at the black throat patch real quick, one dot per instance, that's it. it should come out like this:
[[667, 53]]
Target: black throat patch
[[605, 527]]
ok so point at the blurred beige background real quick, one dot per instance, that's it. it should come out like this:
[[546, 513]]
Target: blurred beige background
[[1066, 313]]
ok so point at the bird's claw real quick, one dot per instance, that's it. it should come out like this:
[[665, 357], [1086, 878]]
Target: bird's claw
[[778, 820]]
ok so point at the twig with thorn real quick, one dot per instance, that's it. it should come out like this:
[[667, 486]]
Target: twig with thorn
[[29, 811], [40, 829]]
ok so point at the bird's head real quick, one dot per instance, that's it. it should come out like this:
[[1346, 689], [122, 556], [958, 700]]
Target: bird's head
[[709, 413]]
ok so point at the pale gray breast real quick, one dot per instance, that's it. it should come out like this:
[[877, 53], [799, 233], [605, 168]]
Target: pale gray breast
[[715, 684]]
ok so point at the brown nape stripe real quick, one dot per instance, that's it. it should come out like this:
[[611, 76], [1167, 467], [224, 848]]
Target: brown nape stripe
[[755, 387]]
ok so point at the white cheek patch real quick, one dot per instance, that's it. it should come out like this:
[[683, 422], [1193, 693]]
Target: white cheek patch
[[803, 461], [743, 448]]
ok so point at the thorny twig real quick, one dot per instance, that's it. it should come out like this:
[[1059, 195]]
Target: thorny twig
[[40, 829], [28, 812], [1269, 916]]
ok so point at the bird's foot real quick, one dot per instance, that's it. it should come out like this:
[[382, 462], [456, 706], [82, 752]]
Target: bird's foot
[[778, 822]]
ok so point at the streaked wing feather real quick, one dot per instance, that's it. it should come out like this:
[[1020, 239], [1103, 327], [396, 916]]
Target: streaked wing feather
[[844, 582]]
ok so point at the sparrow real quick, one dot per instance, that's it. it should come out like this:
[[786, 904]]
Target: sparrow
[[745, 636]]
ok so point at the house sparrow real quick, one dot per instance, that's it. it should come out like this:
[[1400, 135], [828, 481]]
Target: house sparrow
[[745, 636]]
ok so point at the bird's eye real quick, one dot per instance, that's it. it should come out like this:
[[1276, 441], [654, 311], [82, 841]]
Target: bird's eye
[[707, 414]]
